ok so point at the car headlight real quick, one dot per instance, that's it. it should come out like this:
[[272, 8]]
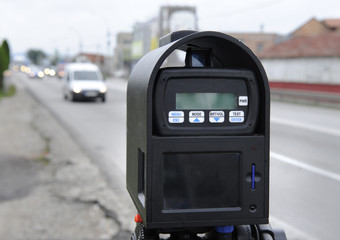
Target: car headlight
[[41, 74], [52, 72], [76, 89], [102, 89]]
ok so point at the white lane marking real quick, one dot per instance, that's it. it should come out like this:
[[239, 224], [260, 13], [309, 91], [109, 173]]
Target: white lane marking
[[307, 126], [305, 166]]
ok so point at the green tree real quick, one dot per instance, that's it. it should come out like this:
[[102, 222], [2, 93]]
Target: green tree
[[36, 56], [4, 62]]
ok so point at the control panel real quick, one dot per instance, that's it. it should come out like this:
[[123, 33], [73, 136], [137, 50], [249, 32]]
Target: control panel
[[215, 102], [211, 116]]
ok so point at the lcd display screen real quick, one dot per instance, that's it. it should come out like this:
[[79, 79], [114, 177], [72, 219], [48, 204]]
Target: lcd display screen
[[201, 180], [205, 101]]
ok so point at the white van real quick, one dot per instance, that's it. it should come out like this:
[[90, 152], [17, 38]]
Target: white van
[[83, 81]]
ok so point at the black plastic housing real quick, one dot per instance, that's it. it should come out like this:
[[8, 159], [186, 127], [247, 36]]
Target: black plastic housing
[[193, 176]]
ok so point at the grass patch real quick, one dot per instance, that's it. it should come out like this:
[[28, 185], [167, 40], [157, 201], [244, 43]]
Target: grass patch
[[9, 93], [43, 157]]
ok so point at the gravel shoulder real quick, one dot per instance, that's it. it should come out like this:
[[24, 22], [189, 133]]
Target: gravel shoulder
[[49, 188]]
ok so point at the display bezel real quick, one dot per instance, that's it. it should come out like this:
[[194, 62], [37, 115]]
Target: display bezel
[[203, 80]]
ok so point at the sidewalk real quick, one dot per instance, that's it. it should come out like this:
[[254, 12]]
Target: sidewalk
[[48, 188]]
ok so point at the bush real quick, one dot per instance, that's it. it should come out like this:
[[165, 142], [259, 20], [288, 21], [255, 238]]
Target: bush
[[4, 61]]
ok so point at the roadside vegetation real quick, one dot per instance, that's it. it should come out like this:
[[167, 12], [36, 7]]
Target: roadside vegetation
[[4, 64], [9, 93]]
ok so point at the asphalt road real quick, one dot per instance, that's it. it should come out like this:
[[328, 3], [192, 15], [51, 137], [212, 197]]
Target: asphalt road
[[305, 150]]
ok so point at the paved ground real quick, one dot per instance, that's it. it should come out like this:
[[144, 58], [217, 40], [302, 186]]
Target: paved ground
[[49, 189]]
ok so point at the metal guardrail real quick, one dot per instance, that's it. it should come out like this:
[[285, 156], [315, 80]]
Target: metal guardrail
[[306, 97]]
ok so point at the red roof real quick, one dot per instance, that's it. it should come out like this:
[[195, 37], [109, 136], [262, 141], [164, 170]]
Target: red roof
[[332, 23], [326, 45], [93, 57]]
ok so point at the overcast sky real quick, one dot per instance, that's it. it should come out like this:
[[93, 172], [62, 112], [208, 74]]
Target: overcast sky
[[63, 24]]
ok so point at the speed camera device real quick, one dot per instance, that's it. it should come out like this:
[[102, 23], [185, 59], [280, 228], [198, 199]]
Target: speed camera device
[[198, 135]]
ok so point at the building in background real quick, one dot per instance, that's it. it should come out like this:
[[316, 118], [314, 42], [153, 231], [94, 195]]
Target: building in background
[[97, 59], [310, 58], [314, 27], [258, 42], [170, 18], [145, 35], [144, 38], [122, 54], [175, 18], [309, 54]]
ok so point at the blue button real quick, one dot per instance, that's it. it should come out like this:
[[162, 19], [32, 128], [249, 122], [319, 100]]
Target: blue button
[[196, 116], [216, 116], [176, 117]]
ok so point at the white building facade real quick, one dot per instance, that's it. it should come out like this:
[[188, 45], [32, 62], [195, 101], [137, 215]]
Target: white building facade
[[314, 70]]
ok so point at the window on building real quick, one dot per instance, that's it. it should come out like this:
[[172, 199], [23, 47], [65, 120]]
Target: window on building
[[259, 47]]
